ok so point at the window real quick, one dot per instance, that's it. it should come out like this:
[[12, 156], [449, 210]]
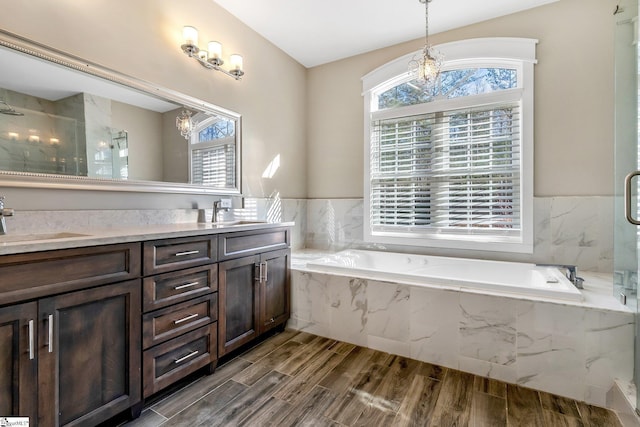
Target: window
[[213, 148], [451, 165]]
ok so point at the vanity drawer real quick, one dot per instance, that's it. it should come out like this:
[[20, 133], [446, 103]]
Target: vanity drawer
[[161, 256], [36, 274], [170, 288], [166, 323], [234, 245], [166, 363]]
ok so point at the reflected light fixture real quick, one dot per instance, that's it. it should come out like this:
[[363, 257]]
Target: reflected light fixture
[[212, 57], [184, 123], [426, 67]]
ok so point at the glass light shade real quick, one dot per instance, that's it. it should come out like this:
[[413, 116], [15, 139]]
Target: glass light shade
[[54, 141], [14, 135], [190, 36], [236, 62], [34, 138], [426, 67], [215, 50], [184, 124]]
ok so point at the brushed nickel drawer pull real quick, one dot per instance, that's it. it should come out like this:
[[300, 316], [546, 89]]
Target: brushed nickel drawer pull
[[186, 285], [188, 356], [31, 340], [187, 253], [50, 343], [184, 319]]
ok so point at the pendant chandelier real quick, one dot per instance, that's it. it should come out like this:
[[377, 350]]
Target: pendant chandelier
[[425, 68]]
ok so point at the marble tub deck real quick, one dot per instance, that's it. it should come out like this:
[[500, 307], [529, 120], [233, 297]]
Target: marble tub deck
[[576, 350]]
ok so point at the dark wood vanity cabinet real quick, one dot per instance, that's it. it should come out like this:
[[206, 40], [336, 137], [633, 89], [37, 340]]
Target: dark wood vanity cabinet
[[89, 354], [70, 354], [179, 324], [18, 363], [254, 290], [88, 333]]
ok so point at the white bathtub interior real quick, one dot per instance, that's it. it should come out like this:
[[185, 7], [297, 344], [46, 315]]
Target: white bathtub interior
[[496, 276]]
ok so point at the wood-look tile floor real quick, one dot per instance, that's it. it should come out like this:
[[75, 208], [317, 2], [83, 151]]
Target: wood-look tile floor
[[295, 378]]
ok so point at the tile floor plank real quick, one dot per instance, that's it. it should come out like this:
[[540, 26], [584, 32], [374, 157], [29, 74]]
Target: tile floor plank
[[394, 385], [341, 377], [490, 386], [488, 410], [454, 404], [244, 404], [297, 362], [309, 410], [593, 416], [267, 414], [311, 375], [265, 365], [184, 397], [559, 404], [419, 404], [523, 407], [267, 346], [206, 410], [348, 408], [556, 419]]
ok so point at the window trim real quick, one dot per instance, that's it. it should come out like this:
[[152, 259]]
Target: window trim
[[518, 53]]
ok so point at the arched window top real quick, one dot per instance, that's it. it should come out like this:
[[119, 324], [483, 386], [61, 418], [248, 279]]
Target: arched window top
[[481, 53], [451, 84]]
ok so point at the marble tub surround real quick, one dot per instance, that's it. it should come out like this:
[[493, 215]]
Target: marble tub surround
[[567, 230], [571, 349]]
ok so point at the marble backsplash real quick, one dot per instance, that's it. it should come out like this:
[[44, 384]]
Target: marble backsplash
[[568, 230]]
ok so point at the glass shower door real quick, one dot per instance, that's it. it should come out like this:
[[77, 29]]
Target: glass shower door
[[627, 162]]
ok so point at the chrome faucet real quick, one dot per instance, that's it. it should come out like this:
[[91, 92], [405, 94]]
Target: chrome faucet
[[220, 205], [572, 273], [3, 213]]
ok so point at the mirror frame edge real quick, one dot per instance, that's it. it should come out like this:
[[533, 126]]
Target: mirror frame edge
[[70, 182]]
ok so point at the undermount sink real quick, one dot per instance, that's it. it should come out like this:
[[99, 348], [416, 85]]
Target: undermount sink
[[12, 238]]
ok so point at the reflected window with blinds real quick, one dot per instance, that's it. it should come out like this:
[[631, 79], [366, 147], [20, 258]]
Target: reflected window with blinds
[[450, 164], [213, 151]]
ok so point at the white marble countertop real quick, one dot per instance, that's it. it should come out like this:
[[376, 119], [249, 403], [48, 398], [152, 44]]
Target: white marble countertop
[[76, 238], [597, 292]]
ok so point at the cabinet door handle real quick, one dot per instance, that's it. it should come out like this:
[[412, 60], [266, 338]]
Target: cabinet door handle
[[31, 340], [188, 356], [266, 271], [186, 285], [184, 319], [187, 253], [258, 272], [50, 338]]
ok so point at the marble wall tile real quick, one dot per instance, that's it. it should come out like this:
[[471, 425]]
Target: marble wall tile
[[334, 224], [387, 305], [551, 348], [488, 328], [434, 326], [311, 302], [349, 309]]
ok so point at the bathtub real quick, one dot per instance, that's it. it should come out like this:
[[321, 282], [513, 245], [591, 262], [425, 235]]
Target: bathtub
[[511, 278]]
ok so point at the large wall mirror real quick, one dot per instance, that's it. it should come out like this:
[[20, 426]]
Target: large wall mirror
[[68, 123]]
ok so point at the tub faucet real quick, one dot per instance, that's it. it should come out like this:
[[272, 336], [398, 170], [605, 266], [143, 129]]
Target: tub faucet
[[3, 213], [572, 273]]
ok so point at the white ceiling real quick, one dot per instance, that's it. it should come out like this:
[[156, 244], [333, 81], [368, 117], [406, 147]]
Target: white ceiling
[[315, 32]]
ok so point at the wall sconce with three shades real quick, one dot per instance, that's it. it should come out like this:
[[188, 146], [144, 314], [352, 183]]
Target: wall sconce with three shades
[[212, 57]]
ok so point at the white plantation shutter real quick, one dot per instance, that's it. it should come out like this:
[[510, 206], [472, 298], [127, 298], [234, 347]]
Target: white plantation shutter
[[455, 170]]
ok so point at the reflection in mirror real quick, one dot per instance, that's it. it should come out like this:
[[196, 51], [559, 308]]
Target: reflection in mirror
[[57, 123]]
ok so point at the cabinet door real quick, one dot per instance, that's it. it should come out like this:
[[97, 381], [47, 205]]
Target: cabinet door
[[18, 361], [238, 293], [89, 355], [274, 299]]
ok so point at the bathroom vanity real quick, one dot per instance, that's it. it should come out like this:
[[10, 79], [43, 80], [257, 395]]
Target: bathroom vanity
[[93, 325]]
